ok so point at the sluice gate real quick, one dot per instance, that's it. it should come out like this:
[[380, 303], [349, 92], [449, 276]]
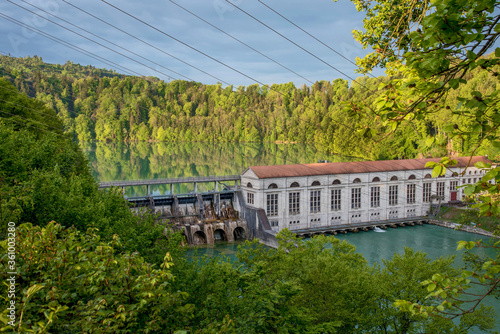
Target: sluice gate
[[203, 217]]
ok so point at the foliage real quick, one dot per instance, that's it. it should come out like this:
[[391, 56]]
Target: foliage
[[45, 176], [438, 51], [72, 282], [412, 270], [319, 285]]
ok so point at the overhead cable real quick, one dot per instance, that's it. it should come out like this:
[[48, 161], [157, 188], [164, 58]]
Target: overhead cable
[[297, 45], [143, 41], [241, 42], [89, 39]]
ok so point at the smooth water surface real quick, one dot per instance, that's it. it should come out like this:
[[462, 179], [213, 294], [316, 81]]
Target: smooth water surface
[[144, 160], [434, 240]]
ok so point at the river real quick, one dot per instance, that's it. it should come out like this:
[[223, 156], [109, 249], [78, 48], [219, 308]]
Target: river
[[121, 161]]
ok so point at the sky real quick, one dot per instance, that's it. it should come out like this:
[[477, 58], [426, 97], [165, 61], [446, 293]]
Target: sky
[[162, 39]]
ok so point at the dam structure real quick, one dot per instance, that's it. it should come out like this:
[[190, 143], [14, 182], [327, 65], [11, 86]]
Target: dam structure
[[308, 199]]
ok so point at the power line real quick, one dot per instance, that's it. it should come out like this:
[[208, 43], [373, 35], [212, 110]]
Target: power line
[[236, 39], [67, 44], [108, 41], [297, 45], [89, 39], [332, 49], [183, 43], [218, 61], [141, 40], [279, 92]]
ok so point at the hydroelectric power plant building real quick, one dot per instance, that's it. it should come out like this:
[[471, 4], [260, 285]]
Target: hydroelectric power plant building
[[308, 199], [308, 196]]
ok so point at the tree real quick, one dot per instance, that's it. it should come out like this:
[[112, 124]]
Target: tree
[[72, 282], [430, 48]]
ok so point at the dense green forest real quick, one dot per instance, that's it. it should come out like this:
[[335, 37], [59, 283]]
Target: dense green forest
[[97, 104]]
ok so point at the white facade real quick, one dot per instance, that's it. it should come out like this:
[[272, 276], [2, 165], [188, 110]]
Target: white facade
[[299, 202]]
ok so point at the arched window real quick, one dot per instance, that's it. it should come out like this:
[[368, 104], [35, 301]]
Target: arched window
[[337, 181], [394, 178], [294, 185], [272, 186], [412, 177], [315, 183], [376, 179], [427, 176], [249, 185], [356, 180], [455, 174]]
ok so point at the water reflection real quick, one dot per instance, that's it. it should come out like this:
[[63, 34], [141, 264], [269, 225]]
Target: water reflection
[[143, 160]]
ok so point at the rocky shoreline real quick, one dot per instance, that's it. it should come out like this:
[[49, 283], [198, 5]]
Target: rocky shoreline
[[464, 228]]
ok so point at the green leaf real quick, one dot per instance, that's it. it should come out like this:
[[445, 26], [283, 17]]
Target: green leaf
[[470, 245], [469, 38], [431, 287], [430, 164], [437, 277], [381, 104], [438, 170], [466, 273], [469, 190], [454, 83], [487, 264], [471, 55], [34, 289], [482, 164], [428, 142]]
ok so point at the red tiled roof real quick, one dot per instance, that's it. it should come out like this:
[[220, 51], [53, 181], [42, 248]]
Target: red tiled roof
[[265, 172]]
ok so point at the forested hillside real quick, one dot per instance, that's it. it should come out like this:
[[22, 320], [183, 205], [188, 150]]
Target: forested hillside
[[97, 104]]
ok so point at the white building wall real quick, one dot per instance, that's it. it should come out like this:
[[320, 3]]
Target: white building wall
[[347, 215]]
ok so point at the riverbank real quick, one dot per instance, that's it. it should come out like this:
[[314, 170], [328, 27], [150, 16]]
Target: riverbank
[[465, 228]]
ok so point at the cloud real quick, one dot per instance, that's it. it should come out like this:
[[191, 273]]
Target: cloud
[[330, 22]]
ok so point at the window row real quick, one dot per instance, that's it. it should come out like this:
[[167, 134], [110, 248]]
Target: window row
[[355, 203]]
